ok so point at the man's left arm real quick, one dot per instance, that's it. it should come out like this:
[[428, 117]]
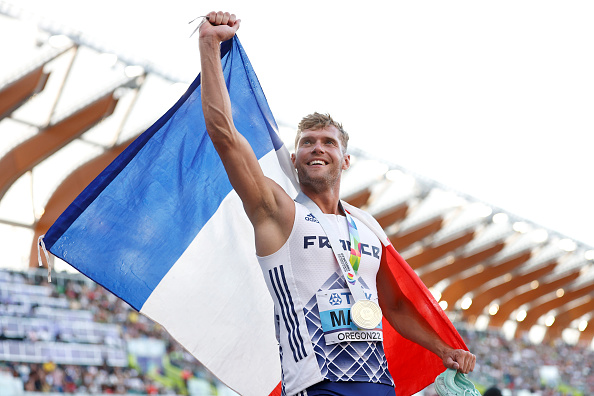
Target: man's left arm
[[407, 321]]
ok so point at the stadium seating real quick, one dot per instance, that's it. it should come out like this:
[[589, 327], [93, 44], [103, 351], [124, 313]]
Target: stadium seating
[[71, 335]]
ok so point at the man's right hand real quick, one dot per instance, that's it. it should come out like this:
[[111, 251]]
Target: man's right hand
[[219, 26]]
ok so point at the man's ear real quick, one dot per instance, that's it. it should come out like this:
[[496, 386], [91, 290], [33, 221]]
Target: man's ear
[[293, 159], [346, 162]]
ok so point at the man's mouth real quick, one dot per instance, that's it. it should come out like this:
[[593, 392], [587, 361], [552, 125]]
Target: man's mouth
[[317, 162]]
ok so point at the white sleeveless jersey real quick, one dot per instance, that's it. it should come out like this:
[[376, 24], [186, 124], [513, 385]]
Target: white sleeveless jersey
[[297, 275]]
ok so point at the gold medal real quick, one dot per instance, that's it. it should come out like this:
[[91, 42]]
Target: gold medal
[[366, 314]]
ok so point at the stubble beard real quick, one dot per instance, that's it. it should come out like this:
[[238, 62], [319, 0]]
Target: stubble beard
[[321, 183]]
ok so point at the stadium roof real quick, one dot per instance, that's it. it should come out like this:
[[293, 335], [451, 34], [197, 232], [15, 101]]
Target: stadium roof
[[68, 107]]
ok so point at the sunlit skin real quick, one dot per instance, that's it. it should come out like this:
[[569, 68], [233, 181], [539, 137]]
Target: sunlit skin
[[320, 161]]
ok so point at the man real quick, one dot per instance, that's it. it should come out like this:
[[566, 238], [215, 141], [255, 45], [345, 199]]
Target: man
[[294, 252]]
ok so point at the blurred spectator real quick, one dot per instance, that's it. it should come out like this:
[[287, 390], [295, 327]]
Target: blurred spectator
[[494, 391]]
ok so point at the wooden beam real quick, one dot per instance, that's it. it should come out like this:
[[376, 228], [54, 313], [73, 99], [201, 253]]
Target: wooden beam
[[460, 264], [563, 319], [392, 215], [31, 152], [432, 253], [537, 311], [360, 198], [586, 336], [402, 240], [458, 288], [18, 92], [486, 296], [506, 309]]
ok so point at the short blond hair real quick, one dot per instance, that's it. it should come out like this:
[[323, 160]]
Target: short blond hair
[[317, 121]]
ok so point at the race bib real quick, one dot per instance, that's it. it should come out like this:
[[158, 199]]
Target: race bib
[[335, 313]]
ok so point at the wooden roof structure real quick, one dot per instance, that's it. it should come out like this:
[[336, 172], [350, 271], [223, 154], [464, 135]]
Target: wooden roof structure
[[485, 266]]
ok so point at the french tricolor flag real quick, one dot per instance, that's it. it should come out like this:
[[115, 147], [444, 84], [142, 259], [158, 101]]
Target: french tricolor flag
[[162, 229]]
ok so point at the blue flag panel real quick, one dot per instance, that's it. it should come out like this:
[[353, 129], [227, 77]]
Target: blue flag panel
[[132, 223]]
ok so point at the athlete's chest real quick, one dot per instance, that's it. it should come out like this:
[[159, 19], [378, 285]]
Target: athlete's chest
[[312, 255]]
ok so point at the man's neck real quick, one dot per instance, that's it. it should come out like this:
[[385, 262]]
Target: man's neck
[[327, 201]]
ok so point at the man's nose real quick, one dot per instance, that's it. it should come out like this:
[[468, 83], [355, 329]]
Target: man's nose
[[318, 147]]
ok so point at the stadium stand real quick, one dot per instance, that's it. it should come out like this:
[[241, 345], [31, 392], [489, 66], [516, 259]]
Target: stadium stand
[[518, 366], [73, 336]]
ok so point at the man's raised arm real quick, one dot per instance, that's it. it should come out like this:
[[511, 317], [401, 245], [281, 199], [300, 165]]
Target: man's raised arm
[[268, 207]]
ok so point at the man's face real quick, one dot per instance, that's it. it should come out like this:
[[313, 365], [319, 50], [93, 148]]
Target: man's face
[[319, 159]]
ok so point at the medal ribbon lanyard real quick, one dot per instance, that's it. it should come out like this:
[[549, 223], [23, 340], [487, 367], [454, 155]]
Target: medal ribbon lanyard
[[346, 267], [355, 240]]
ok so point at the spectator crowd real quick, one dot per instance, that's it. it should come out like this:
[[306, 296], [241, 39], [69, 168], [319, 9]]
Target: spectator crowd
[[516, 364], [507, 364], [83, 294]]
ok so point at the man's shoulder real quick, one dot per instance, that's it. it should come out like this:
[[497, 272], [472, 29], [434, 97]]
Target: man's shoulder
[[367, 219], [358, 213]]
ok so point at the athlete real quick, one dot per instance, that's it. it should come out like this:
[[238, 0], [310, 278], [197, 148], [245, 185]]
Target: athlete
[[319, 356]]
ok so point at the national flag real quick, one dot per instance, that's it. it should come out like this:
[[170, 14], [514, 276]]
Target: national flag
[[162, 229], [412, 366]]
